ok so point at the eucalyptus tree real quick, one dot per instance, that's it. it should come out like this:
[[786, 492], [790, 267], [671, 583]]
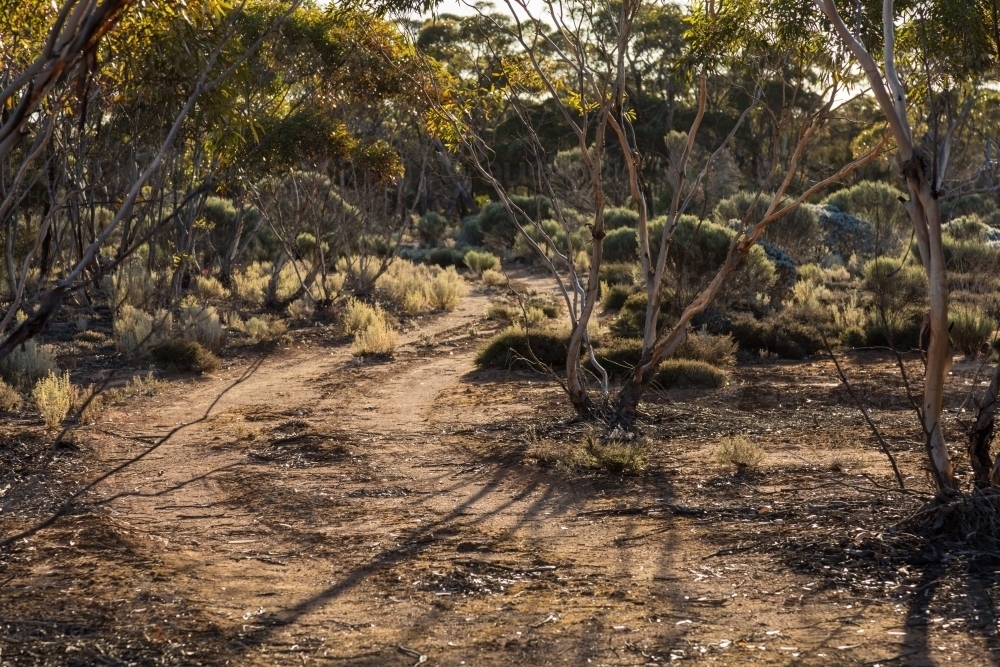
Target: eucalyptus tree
[[920, 60], [578, 65]]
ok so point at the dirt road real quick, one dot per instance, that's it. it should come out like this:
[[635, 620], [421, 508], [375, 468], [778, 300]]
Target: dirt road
[[332, 511]]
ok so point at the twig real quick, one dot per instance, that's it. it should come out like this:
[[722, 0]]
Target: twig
[[864, 411]]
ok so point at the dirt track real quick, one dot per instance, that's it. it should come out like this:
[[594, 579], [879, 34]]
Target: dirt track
[[329, 511]]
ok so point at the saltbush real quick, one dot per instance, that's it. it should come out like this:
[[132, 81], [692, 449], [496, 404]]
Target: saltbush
[[445, 257], [618, 273], [377, 339], [740, 452], [184, 355], [265, 329], [616, 218], [481, 261], [54, 395], [511, 346], [970, 329], [779, 334], [27, 364], [431, 227], [614, 296], [10, 399], [798, 232], [202, 324], [878, 204], [845, 234], [621, 245], [690, 373]]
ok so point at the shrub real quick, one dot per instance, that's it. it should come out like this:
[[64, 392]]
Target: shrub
[[302, 309], [378, 338], [136, 331], [616, 218], [689, 373], [360, 271], [970, 329], [716, 350], [619, 356], [899, 291], [407, 285], [845, 234], [498, 310], [481, 261], [619, 273], [185, 356], [431, 227], [512, 345], [27, 364], [812, 273], [739, 452], [785, 271], [250, 284], [493, 278], [621, 245], [207, 287], [53, 396], [445, 257], [878, 203], [778, 334], [615, 297], [202, 324], [631, 319], [618, 457], [262, 329], [699, 248], [798, 232], [447, 289], [359, 315], [469, 233], [10, 399], [90, 404], [134, 284]]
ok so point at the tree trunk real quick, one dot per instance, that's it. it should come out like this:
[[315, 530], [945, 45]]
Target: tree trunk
[[981, 436], [926, 217]]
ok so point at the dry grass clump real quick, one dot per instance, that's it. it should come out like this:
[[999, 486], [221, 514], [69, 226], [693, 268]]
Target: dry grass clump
[[261, 329], [500, 310], [53, 397], [207, 287], [137, 386], [302, 309], [27, 364], [10, 399], [185, 356], [493, 278], [378, 338], [739, 452], [202, 324], [447, 289], [480, 261], [615, 456]]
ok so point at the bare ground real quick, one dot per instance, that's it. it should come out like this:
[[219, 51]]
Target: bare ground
[[323, 510]]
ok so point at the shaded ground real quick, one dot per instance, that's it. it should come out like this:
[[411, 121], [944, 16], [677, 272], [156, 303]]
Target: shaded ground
[[331, 511]]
